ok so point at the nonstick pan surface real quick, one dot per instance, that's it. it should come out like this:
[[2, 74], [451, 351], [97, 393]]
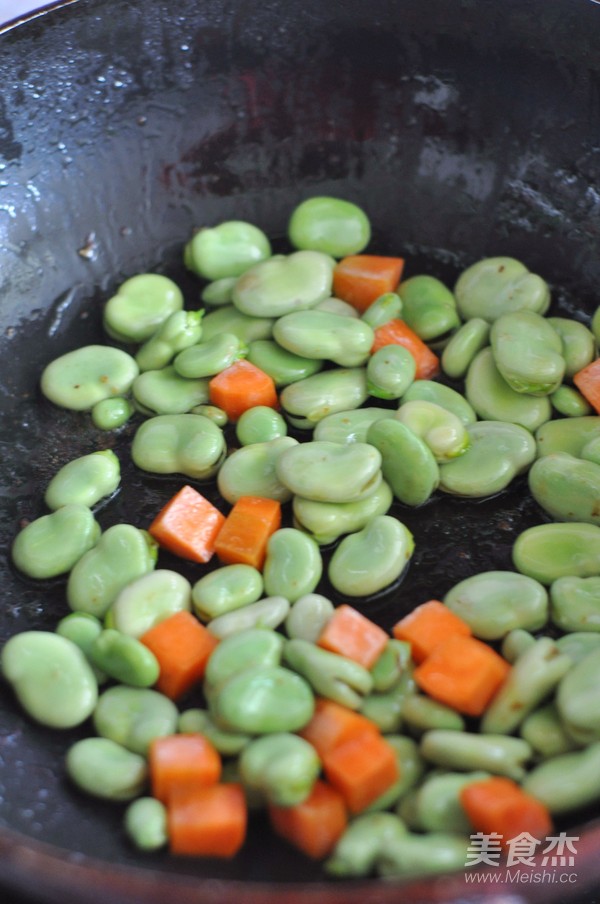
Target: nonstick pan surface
[[464, 129]]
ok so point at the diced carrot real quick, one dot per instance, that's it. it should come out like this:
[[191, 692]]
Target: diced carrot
[[353, 635], [241, 386], [428, 625], [188, 526], [462, 672], [361, 278], [315, 825], [332, 724], [245, 533], [587, 381], [182, 646], [361, 769], [397, 332], [207, 821], [498, 804], [182, 761]]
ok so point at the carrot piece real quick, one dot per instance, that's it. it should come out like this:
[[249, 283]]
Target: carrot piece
[[188, 525], [361, 769], [241, 386], [333, 724], [315, 825], [463, 673], [182, 646], [361, 278], [207, 821], [587, 381], [182, 761], [353, 635], [428, 625], [397, 332], [245, 533], [498, 804]]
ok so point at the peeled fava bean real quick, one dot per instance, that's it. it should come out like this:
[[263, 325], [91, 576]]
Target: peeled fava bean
[[493, 399], [226, 589], [568, 401], [124, 658], [52, 544], [499, 285], [572, 435], [385, 308], [105, 769], [226, 250], [575, 604], [578, 345], [566, 783], [84, 481], [390, 372], [428, 307], [110, 414], [308, 616], [371, 559], [578, 700], [495, 602], [140, 306], [241, 651], [358, 850], [180, 330], [206, 359], [467, 751], [263, 700], [87, 375], [344, 340], [567, 488], [146, 824], [284, 367], [407, 463], [307, 401], [349, 426], [259, 424], [134, 717], [330, 472], [326, 522], [252, 471], [229, 320], [165, 392], [547, 552], [330, 225], [544, 730], [145, 602], [442, 395], [463, 346], [528, 352], [284, 283], [188, 444], [282, 766], [51, 678], [268, 612], [329, 674], [293, 565], [440, 429]]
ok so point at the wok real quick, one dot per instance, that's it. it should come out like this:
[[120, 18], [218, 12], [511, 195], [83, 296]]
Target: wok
[[464, 128]]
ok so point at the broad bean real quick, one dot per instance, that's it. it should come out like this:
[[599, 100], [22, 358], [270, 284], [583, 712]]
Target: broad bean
[[284, 284], [187, 444], [283, 366], [578, 700], [252, 471], [179, 331], [567, 782], [344, 340], [308, 616], [260, 424], [145, 824], [330, 472], [493, 603], [282, 766], [463, 347], [493, 399], [407, 463], [358, 850], [371, 559], [467, 751], [547, 552], [205, 359], [165, 392], [567, 488], [269, 612], [133, 717], [442, 431], [428, 307], [306, 402], [140, 306], [329, 674], [84, 481], [52, 544], [81, 378], [105, 769], [528, 352], [145, 602], [227, 250], [293, 565], [497, 285], [227, 588], [325, 522], [329, 225], [263, 700]]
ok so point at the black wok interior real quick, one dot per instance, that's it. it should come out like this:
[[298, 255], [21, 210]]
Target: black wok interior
[[464, 129]]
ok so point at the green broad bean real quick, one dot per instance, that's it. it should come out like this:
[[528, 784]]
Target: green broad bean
[[330, 675], [87, 375], [442, 395], [205, 359], [52, 544], [578, 644], [105, 769], [325, 522], [515, 643], [441, 430], [228, 743], [251, 471], [344, 340], [358, 850], [384, 708], [596, 325], [578, 345], [308, 617], [407, 463], [466, 752], [568, 782], [567, 488], [82, 629], [145, 824], [421, 713], [497, 453], [263, 700], [437, 802], [411, 768], [493, 399], [371, 559], [188, 444], [385, 308], [533, 677], [569, 402], [547, 552], [243, 650], [227, 250], [283, 367], [330, 472], [229, 320], [213, 413], [428, 307], [269, 612], [84, 481], [139, 307], [225, 589], [305, 402], [572, 435], [51, 678], [150, 599], [110, 414], [527, 352], [259, 425], [179, 331], [281, 766], [578, 700], [423, 855], [349, 426], [219, 292], [498, 285], [493, 603], [293, 564], [284, 284], [544, 731], [390, 372], [464, 346], [165, 392], [336, 306], [134, 716], [330, 225], [390, 664], [125, 659], [122, 554]]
